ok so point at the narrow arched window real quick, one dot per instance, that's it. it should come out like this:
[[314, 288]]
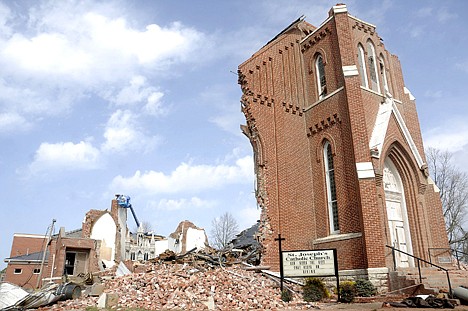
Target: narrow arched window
[[374, 79], [383, 73], [362, 66], [331, 188], [321, 80]]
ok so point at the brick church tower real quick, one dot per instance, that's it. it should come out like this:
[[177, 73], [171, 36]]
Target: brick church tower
[[339, 156]]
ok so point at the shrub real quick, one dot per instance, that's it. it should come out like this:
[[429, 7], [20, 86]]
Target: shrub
[[364, 288], [314, 290], [347, 291], [286, 295]]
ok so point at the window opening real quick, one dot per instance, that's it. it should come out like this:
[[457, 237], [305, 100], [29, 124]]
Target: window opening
[[362, 67], [18, 271], [383, 72], [372, 67], [37, 271], [69, 263], [331, 188], [321, 80]]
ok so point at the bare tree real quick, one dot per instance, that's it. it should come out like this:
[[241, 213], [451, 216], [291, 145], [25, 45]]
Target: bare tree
[[223, 230], [453, 185], [145, 225]]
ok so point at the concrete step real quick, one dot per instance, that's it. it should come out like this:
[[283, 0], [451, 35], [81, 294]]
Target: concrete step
[[433, 279]]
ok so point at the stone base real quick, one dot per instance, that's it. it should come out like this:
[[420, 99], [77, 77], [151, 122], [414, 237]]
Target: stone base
[[377, 276]]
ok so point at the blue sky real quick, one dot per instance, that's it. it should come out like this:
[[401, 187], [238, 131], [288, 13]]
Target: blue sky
[[140, 98]]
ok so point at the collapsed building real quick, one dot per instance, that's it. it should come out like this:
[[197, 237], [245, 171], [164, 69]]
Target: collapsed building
[[103, 241], [339, 157]]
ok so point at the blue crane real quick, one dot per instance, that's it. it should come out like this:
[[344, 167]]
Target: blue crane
[[124, 201]]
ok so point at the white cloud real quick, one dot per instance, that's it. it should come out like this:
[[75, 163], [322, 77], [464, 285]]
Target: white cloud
[[187, 178], [452, 137], [153, 105], [227, 116], [67, 156], [433, 93], [122, 134], [59, 52], [12, 122], [139, 92], [424, 12], [463, 66], [248, 216], [444, 15], [181, 204]]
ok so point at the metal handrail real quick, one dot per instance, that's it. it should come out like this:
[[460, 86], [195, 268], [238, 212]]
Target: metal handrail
[[419, 266], [456, 251]]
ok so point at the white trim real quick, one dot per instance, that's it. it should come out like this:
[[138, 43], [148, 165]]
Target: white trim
[[26, 235], [20, 271], [360, 20], [407, 91], [380, 130], [407, 135], [350, 71], [371, 91], [323, 99], [430, 181], [340, 8], [317, 29], [380, 127], [337, 237], [377, 270], [365, 170]]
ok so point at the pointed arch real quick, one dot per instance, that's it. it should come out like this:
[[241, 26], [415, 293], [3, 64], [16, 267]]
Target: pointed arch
[[410, 175], [362, 66], [383, 73], [321, 78], [332, 203], [372, 64]]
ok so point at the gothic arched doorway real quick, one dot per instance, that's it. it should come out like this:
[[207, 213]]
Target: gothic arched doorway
[[397, 216]]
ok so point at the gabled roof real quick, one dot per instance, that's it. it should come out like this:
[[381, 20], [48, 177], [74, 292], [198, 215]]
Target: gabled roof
[[292, 25], [33, 257]]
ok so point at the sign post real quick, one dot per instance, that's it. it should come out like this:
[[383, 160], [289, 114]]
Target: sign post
[[305, 263], [279, 239]]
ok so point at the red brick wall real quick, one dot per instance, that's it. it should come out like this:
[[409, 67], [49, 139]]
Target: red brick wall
[[287, 125]]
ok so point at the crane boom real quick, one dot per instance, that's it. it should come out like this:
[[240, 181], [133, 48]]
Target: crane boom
[[124, 201]]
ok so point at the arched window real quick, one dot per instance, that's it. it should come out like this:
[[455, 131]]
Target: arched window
[[331, 188], [374, 79], [321, 80], [362, 66], [383, 73]]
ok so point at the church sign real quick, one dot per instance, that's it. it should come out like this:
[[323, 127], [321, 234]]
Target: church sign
[[310, 263]]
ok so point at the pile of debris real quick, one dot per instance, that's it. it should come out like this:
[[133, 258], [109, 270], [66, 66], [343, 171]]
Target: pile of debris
[[172, 285]]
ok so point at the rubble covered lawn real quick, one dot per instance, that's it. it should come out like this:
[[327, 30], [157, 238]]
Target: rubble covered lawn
[[166, 286]]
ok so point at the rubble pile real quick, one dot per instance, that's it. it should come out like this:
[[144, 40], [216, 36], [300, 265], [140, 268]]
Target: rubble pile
[[177, 286]]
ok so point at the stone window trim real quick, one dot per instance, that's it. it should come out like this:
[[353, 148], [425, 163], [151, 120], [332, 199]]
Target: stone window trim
[[18, 271], [337, 237]]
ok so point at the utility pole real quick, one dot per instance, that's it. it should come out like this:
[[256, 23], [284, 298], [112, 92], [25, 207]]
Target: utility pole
[[44, 252]]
